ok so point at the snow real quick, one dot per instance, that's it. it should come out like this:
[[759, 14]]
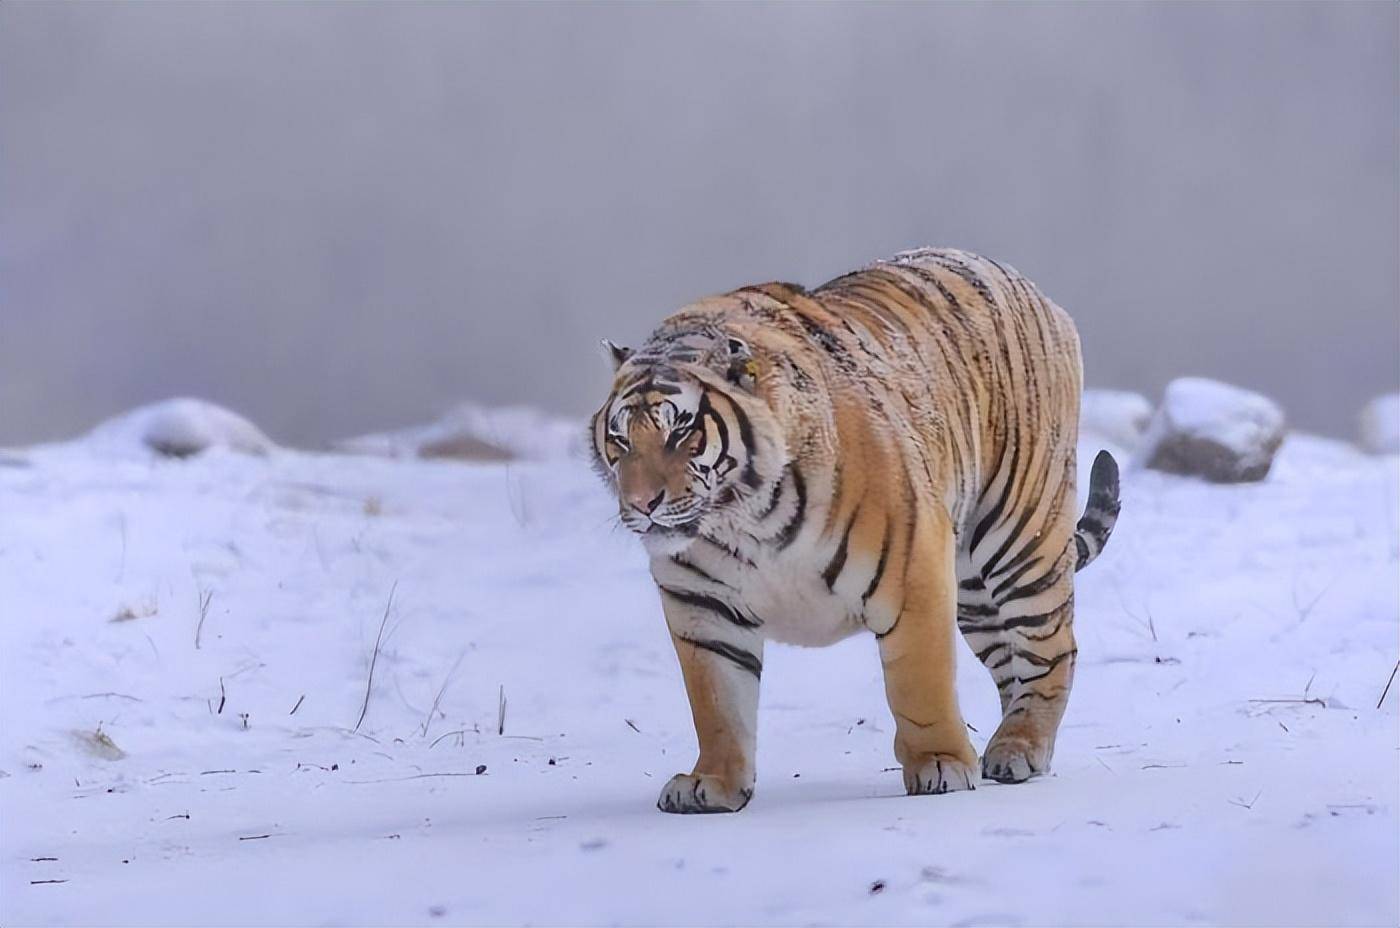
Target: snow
[[179, 428], [1120, 416], [1223, 759], [1214, 429], [1380, 425]]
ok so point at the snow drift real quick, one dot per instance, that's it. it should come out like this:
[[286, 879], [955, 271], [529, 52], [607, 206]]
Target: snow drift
[[179, 428]]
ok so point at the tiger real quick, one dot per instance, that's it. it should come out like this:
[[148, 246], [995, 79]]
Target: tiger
[[891, 452]]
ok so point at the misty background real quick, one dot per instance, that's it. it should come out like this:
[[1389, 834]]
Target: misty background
[[341, 218]]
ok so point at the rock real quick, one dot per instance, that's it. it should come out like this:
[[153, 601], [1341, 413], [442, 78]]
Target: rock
[[1213, 430], [1120, 416], [476, 433], [1380, 425], [181, 427]]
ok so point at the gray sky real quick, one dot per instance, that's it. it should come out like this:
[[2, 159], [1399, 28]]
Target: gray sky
[[337, 218]]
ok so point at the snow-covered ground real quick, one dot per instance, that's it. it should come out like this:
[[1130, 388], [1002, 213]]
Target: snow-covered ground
[[185, 645]]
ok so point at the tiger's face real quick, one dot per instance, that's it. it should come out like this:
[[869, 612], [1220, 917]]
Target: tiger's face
[[676, 442]]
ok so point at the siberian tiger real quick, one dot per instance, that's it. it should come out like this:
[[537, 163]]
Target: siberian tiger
[[893, 451]]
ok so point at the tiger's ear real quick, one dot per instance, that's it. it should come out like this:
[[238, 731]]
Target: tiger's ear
[[742, 369], [617, 354]]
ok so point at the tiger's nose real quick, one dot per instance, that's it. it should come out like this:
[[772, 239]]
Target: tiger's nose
[[649, 507]]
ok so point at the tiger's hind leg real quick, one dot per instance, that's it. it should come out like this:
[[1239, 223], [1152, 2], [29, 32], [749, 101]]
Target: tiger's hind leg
[[1022, 629]]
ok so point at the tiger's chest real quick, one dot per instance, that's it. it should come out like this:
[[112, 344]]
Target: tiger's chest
[[782, 589]]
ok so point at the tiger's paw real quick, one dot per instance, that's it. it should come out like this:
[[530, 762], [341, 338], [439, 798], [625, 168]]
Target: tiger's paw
[[1013, 760], [940, 773], [688, 793]]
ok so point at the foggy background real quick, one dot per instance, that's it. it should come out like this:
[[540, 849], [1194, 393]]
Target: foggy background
[[339, 218]]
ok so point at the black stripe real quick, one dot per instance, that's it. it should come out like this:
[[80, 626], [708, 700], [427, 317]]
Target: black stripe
[[1029, 621], [1034, 588], [710, 604], [695, 569], [972, 584], [774, 498], [1010, 581], [880, 566], [1027, 550], [1054, 696], [990, 567], [794, 524], [1020, 621], [750, 475], [976, 610], [651, 386], [1050, 667], [995, 514], [1065, 611], [732, 552], [739, 656], [838, 561], [986, 652]]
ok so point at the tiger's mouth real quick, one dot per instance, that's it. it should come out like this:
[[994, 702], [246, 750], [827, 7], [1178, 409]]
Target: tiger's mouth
[[686, 526]]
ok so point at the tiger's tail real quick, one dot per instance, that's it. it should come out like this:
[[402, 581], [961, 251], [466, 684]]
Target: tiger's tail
[[1100, 513]]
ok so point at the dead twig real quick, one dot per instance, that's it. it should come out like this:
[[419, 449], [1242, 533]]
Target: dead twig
[[298, 705], [501, 710], [205, 598], [253, 837], [1246, 805], [374, 658], [223, 697], [42, 882], [632, 725]]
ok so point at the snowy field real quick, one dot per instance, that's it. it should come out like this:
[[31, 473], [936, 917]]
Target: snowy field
[[185, 649]]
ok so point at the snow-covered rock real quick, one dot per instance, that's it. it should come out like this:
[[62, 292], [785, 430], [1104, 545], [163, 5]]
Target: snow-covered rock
[[1120, 416], [1213, 430], [1380, 425], [477, 433], [179, 428]]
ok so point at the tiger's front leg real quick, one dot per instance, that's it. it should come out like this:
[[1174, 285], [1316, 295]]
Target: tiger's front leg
[[721, 664], [918, 653]]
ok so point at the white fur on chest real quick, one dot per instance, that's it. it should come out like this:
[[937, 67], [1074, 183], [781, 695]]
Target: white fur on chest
[[784, 589], [796, 607]]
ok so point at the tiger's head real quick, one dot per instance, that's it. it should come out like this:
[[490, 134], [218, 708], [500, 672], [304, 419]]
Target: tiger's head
[[686, 433]]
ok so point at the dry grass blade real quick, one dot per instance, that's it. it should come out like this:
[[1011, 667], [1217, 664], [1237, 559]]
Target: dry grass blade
[[1386, 691], [205, 598], [374, 658], [446, 681]]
